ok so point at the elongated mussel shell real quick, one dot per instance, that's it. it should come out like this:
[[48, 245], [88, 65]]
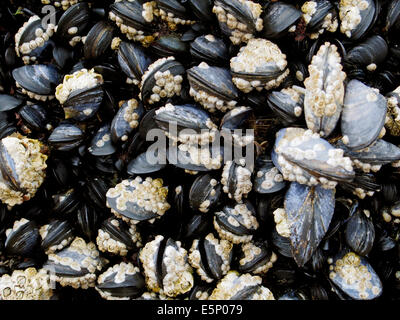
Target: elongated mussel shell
[[134, 18], [357, 17], [235, 126], [255, 257], [66, 202], [23, 239], [212, 87], [369, 53], [101, 144], [35, 117], [210, 49], [211, 257], [259, 65], [309, 211], [201, 9], [305, 157], [324, 90], [170, 45], [363, 115], [37, 81], [392, 121], [239, 20], [373, 157], [30, 36], [162, 79], [204, 193], [192, 158], [136, 200], [147, 162], [287, 104], [98, 40], [278, 17], [8, 102], [355, 276], [360, 233], [56, 236], [236, 179], [66, 137], [126, 120], [165, 267], [393, 16], [88, 220], [81, 94], [241, 287], [122, 281], [22, 168], [186, 123], [132, 59], [236, 222], [73, 23], [75, 265], [117, 237], [319, 15]]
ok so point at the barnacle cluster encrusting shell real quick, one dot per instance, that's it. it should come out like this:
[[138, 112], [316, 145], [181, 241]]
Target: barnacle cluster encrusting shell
[[199, 149]]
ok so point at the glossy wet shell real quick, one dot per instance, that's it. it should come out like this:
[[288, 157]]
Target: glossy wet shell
[[363, 116], [355, 276]]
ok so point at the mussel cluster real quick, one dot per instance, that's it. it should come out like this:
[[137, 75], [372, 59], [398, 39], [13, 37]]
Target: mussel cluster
[[308, 208]]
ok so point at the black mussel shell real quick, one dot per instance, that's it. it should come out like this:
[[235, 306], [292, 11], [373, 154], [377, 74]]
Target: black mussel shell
[[210, 49], [360, 233], [66, 202], [98, 40], [204, 193], [35, 117], [73, 22], [8, 102], [22, 239], [56, 235], [88, 220], [66, 137], [101, 144]]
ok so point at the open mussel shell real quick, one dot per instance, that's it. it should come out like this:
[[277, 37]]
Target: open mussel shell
[[38, 81], [56, 235], [236, 222], [267, 178], [101, 144], [8, 102], [122, 281], [367, 11], [255, 257], [354, 276], [66, 137], [204, 193], [73, 23], [368, 53], [23, 239], [393, 16], [211, 257], [360, 233], [35, 117], [363, 116], [309, 211], [287, 104], [210, 49], [156, 257], [278, 18], [98, 40]]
